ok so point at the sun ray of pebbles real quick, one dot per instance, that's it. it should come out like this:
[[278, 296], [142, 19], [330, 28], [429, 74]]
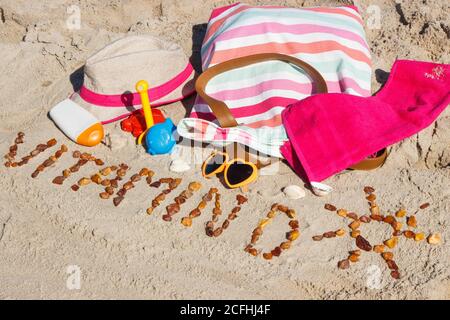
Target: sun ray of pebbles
[[390, 243]]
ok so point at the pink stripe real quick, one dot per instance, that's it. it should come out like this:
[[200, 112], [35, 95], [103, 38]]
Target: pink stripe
[[290, 48], [220, 135], [284, 84], [273, 27], [130, 99], [264, 106], [212, 28], [352, 7], [276, 84], [216, 25]]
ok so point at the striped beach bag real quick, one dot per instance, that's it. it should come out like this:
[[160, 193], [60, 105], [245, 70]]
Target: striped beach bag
[[329, 40]]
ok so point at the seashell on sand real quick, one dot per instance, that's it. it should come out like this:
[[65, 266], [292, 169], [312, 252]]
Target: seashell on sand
[[179, 165], [270, 170], [320, 189], [294, 192]]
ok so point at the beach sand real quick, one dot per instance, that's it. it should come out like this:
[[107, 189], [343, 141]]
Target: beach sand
[[47, 231]]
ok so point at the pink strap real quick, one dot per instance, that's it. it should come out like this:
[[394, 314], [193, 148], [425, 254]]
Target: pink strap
[[131, 99]]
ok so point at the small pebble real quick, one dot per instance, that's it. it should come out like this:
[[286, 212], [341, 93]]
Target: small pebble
[[434, 238], [344, 264], [424, 206], [317, 238]]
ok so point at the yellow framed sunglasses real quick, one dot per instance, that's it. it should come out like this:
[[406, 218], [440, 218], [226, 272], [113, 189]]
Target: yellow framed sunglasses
[[237, 172]]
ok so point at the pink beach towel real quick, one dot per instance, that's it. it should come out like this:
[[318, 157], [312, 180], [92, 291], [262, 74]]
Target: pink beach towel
[[330, 132]]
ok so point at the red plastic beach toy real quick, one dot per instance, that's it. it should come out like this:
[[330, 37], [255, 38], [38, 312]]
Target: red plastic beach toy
[[136, 122]]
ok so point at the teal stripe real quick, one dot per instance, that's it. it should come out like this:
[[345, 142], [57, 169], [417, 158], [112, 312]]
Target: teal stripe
[[272, 67], [338, 21], [338, 66], [256, 69]]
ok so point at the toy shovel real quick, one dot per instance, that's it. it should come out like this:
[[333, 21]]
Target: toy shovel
[[142, 88], [158, 137]]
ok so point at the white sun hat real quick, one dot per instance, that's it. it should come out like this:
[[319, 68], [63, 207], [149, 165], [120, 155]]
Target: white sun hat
[[110, 76]]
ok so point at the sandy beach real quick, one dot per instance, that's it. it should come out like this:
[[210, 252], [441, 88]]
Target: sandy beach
[[48, 231]]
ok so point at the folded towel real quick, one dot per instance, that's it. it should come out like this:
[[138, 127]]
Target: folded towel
[[330, 132]]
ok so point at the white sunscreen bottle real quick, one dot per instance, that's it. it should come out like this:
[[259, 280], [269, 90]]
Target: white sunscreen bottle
[[77, 123]]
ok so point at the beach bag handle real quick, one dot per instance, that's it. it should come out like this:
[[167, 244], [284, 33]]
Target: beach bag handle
[[220, 109]]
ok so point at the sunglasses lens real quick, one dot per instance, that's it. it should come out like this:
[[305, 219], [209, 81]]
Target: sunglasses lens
[[214, 163], [238, 172]]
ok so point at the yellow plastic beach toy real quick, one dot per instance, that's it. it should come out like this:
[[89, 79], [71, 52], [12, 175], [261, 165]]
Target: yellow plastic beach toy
[[142, 88]]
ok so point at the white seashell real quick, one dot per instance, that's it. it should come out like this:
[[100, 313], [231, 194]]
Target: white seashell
[[320, 189], [294, 192], [270, 170], [179, 165]]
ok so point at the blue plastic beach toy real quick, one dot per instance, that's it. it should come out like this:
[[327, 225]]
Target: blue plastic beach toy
[[159, 138]]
